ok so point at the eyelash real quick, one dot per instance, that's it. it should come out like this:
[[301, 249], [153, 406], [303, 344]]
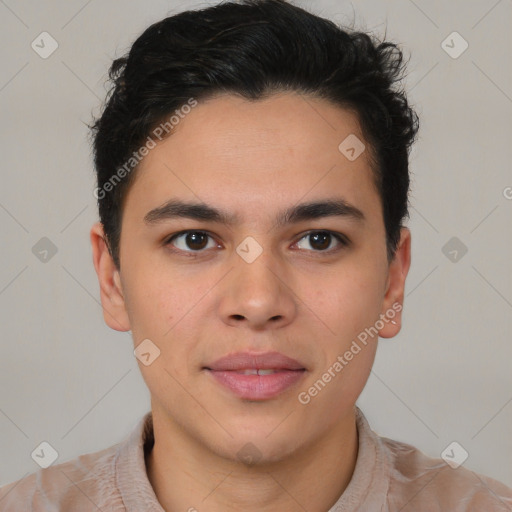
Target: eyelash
[[344, 241]]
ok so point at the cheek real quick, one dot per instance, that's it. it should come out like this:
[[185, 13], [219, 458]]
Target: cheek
[[153, 290], [166, 317], [348, 301], [349, 305], [169, 313]]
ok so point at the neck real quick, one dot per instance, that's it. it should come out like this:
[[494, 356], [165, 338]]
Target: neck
[[187, 476]]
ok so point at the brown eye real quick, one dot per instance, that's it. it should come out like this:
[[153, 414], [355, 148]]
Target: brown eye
[[320, 241], [190, 241]]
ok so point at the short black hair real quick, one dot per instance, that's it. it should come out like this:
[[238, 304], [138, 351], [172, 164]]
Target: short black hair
[[253, 48]]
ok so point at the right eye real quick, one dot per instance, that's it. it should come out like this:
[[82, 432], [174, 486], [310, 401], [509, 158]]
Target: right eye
[[194, 240]]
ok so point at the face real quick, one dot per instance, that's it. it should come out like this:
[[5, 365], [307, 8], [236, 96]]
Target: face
[[305, 286]]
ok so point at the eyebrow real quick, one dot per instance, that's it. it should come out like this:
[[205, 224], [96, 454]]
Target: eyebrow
[[175, 208]]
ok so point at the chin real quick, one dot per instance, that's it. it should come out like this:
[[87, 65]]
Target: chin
[[259, 448]]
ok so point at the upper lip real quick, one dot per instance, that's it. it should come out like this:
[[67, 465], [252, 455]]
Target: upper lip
[[247, 361]]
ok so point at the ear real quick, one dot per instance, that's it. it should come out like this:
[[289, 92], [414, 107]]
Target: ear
[[112, 299], [394, 296]]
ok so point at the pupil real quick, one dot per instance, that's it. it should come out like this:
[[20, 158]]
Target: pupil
[[321, 235], [192, 240]]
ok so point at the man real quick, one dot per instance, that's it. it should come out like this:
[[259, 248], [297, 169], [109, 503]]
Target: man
[[280, 142]]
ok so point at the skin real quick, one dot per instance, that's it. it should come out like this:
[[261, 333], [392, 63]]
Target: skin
[[252, 159]]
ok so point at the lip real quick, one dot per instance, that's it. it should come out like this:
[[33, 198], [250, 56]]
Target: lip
[[226, 371], [248, 360]]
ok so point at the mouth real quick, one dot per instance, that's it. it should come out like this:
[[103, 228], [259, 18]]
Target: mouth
[[260, 371], [241, 361], [256, 377]]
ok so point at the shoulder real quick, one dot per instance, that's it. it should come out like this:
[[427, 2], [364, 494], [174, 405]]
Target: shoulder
[[419, 482], [80, 482]]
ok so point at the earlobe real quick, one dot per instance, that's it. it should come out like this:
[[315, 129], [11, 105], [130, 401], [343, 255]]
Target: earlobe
[[111, 292], [394, 298]]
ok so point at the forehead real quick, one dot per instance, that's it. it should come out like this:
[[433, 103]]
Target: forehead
[[244, 156]]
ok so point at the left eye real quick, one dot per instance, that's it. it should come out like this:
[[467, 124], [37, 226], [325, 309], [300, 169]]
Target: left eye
[[321, 240]]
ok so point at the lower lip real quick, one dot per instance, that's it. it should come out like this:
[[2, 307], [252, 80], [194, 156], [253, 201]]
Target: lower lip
[[258, 387]]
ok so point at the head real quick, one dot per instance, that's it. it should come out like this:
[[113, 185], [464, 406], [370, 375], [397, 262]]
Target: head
[[253, 108]]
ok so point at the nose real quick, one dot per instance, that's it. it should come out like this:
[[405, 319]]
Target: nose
[[258, 295]]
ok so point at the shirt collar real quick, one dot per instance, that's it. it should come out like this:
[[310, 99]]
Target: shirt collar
[[130, 466], [368, 487]]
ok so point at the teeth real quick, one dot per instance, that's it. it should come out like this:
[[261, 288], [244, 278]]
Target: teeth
[[266, 372], [254, 371], [249, 372]]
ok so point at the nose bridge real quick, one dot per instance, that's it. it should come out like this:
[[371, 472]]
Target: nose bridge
[[255, 289]]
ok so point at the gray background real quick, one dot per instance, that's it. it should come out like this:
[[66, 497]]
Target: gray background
[[68, 379]]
